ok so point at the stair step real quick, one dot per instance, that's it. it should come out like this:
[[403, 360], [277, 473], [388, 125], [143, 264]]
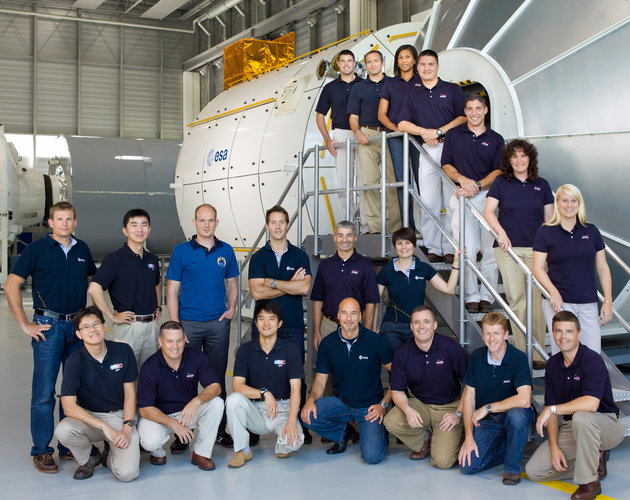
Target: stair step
[[620, 395], [626, 425]]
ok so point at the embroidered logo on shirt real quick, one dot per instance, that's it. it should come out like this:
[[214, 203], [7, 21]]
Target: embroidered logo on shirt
[[419, 277], [280, 362], [537, 188], [576, 378], [79, 259], [586, 237], [289, 268], [221, 262], [116, 367], [363, 357], [190, 375], [151, 266], [507, 381], [439, 361], [442, 96], [354, 271], [485, 143]]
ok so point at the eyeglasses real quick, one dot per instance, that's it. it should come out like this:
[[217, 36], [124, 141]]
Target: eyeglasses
[[91, 326]]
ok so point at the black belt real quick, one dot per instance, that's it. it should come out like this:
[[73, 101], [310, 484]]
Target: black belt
[[144, 318], [377, 129], [54, 315]]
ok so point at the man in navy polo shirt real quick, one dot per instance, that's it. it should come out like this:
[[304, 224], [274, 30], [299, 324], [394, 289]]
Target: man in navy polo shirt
[[334, 98], [353, 356], [577, 386], [433, 108], [363, 109], [472, 159], [205, 270], [345, 274], [497, 403], [98, 394], [132, 276], [169, 401], [268, 373], [432, 367], [60, 267]]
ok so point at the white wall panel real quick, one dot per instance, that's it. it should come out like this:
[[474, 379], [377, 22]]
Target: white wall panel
[[16, 96], [140, 103], [302, 38], [100, 44], [177, 47], [16, 37], [57, 40], [56, 98], [141, 48], [172, 104], [327, 27], [100, 101]]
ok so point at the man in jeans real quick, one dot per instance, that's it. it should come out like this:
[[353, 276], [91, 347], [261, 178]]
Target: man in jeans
[[353, 355], [497, 403], [60, 267], [205, 270]]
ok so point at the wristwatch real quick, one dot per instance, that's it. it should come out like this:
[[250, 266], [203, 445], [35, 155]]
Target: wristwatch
[[273, 284], [458, 414], [478, 184], [385, 405], [489, 407], [439, 132], [130, 423], [262, 392], [553, 409]]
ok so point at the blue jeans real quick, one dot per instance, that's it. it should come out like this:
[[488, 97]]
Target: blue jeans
[[213, 338], [501, 439], [48, 356], [395, 333], [332, 417], [395, 145]]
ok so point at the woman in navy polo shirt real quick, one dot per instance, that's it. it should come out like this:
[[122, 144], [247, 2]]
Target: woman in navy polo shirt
[[573, 250], [393, 97], [524, 201], [405, 278]]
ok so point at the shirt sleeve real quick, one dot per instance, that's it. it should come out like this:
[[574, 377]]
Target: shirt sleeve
[[384, 350], [469, 376], [459, 102], [71, 377], [405, 111], [256, 266], [594, 378], [296, 368], [495, 189], [386, 92], [305, 263], [232, 267], [370, 288], [26, 263], [381, 279], [317, 293], [540, 240], [447, 153], [521, 375], [324, 103], [354, 103], [428, 271], [496, 161], [461, 362], [547, 193], [323, 361], [132, 366], [91, 271], [175, 267], [599, 241], [398, 377], [147, 388], [241, 368], [106, 273]]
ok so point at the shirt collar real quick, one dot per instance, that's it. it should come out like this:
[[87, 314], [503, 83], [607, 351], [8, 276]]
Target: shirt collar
[[506, 356], [411, 267], [353, 257], [196, 246], [276, 347], [52, 241], [182, 363]]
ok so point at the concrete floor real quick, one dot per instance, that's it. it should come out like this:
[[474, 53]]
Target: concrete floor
[[309, 473]]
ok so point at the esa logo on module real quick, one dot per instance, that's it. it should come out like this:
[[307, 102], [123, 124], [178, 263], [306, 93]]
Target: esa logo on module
[[216, 156]]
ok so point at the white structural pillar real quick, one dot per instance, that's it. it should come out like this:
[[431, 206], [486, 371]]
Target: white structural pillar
[[362, 15]]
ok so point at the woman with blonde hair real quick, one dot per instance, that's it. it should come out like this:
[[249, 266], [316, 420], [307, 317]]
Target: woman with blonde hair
[[573, 251]]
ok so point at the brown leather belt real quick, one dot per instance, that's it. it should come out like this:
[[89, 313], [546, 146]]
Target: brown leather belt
[[144, 318]]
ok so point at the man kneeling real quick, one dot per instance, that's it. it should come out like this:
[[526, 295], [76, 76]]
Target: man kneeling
[[168, 399], [268, 372], [98, 395]]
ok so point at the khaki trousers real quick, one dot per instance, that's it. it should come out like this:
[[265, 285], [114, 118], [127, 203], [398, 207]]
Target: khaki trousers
[[78, 437], [142, 337], [515, 285], [580, 439], [153, 436], [444, 444], [370, 162]]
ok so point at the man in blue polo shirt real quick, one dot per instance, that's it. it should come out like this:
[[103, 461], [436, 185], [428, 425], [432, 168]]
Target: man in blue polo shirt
[[205, 270], [433, 108], [334, 98], [472, 159], [432, 367], [577, 386], [345, 274], [363, 109], [169, 401], [268, 373], [132, 276], [98, 394], [60, 267], [353, 356], [497, 403]]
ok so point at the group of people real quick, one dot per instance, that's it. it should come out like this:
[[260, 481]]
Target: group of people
[[439, 396]]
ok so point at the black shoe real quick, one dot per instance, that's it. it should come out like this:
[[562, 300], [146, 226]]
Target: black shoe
[[253, 439], [308, 439], [224, 439], [178, 447], [340, 447]]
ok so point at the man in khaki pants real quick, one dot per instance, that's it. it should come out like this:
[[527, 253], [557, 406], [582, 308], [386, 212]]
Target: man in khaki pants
[[577, 386], [432, 367]]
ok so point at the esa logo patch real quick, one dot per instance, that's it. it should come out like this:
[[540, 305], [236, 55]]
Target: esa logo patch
[[216, 156], [363, 357], [221, 262], [151, 266], [116, 367]]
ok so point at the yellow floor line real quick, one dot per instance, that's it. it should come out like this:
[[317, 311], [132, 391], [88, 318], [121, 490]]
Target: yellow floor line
[[566, 487], [229, 373]]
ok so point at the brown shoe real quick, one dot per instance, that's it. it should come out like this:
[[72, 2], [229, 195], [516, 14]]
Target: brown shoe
[[602, 470], [86, 471], [67, 457], [239, 459], [511, 479], [449, 258], [202, 462], [539, 365], [433, 257], [587, 491], [485, 306], [283, 455], [158, 460], [472, 307], [419, 455], [45, 463]]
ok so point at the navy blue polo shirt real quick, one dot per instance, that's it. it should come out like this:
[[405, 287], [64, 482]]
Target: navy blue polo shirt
[[264, 264], [473, 156], [171, 390], [405, 292], [273, 371], [356, 374], [99, 386], [496, 383], [395, 92], [59, 281], [337, 279], [434, 376], [521, 207], [571, 260], [202, 274], [130, 279], [334, 97], [585, 376], [435, 107], [364, 100]]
